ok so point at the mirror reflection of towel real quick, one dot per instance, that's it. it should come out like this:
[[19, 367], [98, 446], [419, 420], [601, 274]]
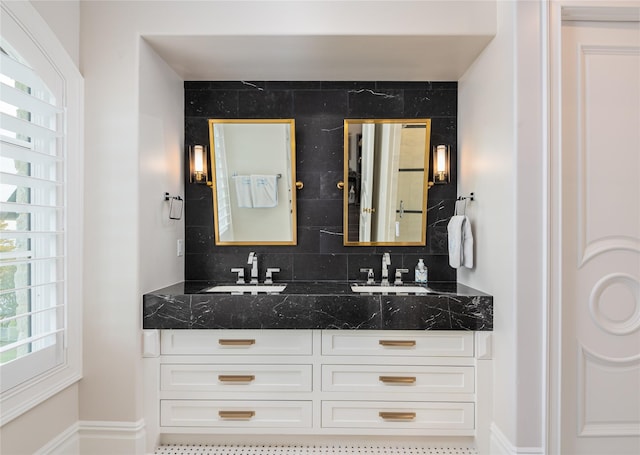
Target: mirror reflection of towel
[[243, 190], [460, 242], [264, 191]]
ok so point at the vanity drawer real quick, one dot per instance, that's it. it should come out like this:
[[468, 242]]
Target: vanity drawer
[[398, 415], [397, 379], [236, 378], [235, 414], [236, 342], [398, 343]]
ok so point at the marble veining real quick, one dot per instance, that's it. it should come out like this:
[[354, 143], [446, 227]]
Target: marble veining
[[314, 305], [319, 109], [384, 95], [252, 85]]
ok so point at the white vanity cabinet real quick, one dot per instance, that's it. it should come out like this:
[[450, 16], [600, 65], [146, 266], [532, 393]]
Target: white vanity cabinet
[[235, 380], [408, 382], [341, 382]]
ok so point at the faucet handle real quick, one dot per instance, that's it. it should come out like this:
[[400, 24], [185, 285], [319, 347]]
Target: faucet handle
[[369, 273], [240, 272], [269, 277], [399, 272]]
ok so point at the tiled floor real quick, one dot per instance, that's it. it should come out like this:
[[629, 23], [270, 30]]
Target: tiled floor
[[179, 449]]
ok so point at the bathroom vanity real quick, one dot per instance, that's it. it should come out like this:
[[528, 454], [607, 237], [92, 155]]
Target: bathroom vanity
[[317, 359]]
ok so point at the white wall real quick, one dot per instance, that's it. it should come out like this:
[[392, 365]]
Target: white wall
[[51, 419], [161, 139], [63, 17], [501, 160], [486, 157], [109, 389]]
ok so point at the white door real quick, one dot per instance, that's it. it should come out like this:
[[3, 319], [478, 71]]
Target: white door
[[599, 240]]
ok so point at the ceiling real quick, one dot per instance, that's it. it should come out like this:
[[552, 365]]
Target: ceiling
[[299, 58]]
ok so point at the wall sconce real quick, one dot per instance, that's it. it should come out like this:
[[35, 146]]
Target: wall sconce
[[441, 155], [199, 166]]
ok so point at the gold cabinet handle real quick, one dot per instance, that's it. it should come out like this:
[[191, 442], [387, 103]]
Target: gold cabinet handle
[[398, 343], [397, 415], [299, 185], [236, 415], [236, 378], [398, 379], [235, 342], [340, 185]]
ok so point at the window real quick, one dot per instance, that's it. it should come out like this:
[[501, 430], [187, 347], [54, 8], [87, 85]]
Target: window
[[31, 221], [39, 213]]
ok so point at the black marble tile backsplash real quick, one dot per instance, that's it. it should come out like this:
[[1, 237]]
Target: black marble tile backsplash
[[319, 108]]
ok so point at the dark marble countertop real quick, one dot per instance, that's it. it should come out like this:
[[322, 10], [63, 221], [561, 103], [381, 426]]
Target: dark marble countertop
[[317, 305]]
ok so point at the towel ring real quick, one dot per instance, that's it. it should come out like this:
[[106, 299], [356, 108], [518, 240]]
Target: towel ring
[[455, 207], [465, 199]]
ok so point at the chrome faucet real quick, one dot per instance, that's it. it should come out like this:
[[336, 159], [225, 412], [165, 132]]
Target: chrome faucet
[[369, 273], [386, 262], [268, 279], [253, 261]]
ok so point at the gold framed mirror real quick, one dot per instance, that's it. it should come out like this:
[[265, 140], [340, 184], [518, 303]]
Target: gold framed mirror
[[386, 168], [253, 163]]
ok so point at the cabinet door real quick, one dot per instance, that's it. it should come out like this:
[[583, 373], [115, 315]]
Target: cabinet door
[[235, 378], [235, 414], [397, 343], [398, 415], [236, 342], [397, 379]]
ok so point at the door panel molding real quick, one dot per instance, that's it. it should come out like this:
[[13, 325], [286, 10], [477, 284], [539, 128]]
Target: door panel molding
[[611, 324], [623, 372], [592, 206]]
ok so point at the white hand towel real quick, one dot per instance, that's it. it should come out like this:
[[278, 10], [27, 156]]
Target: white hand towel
[[460, 242], [467, 244], [243, 190], [264, 190]]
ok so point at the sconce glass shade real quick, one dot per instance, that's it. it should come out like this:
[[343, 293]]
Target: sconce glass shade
[[441, 154], [198, 164]]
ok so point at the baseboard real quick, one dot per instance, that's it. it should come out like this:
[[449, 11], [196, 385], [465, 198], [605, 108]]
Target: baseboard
[[65, 443], [111, 438], [98, 438], [111, 429], [499, 444]]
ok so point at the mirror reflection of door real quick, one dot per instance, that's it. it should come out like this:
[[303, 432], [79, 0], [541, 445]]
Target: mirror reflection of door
[[386, 164], [411, 194], [387, 157]]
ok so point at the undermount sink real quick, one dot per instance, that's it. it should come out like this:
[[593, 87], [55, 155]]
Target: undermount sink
[[373, 289], [247, 288]]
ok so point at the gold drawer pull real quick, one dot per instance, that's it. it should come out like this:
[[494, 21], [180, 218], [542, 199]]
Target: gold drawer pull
[[236, 415], [236, 378], [398, 343], [397, 415], [398, 379], [234, 342]]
